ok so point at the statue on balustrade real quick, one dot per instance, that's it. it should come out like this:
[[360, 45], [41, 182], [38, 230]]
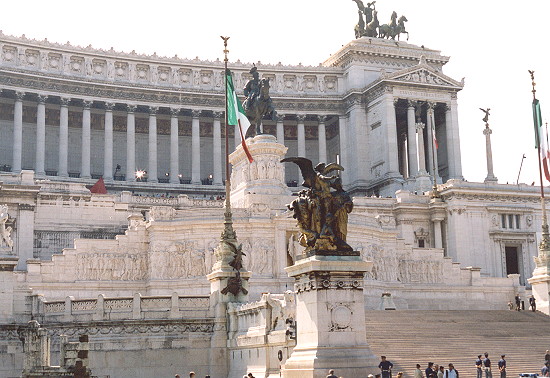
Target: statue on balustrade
[[258, 103], [322, 210]]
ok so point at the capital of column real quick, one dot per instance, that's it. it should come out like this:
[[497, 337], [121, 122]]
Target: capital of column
[[109, 106], [301, 118], [279, 117], [174, 111], [153, 110], [412, 103], [322, 118], [195, 113], [218, 115], [419, 126], [65, 101], [19, 95], [487, 130], [447, 107], [131, 108], [395, 101], [42, 98], [431, 105], [87, 104]]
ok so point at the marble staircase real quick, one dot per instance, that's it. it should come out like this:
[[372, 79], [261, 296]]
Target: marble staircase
[[409, 337]]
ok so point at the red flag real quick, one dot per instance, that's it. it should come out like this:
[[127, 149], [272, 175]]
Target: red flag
[[99, 187]]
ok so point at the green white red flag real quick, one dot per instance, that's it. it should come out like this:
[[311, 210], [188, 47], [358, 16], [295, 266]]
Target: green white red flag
[[433, 131], [541, 138], [235, 112]]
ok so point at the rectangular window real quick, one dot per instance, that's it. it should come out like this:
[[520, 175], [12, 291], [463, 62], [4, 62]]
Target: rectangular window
[[517, 221], [503, 220], [510, 221]]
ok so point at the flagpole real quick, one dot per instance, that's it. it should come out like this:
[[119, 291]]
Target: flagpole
[[228, 232], [545, 242]]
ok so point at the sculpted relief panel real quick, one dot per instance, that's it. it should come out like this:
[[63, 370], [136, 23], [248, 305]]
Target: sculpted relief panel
[[259, 256], [401, 266], [177, 260], [103, 266]]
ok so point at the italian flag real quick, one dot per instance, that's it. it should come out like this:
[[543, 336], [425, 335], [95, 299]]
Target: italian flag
[[541, 138], [235, 112], [433, 131]]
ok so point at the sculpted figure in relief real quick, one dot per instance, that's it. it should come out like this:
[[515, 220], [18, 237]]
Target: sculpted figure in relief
[[5, 231]]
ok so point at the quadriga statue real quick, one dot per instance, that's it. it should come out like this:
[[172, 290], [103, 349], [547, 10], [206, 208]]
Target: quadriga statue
[[322, 210]]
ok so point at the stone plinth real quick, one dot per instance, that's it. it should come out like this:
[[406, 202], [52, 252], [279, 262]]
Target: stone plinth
[[262, 182], [540, 282], [330, 318]]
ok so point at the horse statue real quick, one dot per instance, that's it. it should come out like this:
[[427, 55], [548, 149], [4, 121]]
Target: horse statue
[[370, 30], [386, 30], [400, 28], [259, 107], [360, 27]]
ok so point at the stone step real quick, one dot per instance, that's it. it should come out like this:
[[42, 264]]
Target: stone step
[[409, 337]]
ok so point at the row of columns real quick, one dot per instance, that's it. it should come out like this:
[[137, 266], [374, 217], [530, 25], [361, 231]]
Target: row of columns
[[416, 154], [131, 140]]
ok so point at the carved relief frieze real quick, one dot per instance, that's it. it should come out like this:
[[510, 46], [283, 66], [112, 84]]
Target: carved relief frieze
[[142, 72], [121, 70], [328, 280], [9, 53], [142, 327]]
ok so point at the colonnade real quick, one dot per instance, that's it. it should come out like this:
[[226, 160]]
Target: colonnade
[[152, 164]]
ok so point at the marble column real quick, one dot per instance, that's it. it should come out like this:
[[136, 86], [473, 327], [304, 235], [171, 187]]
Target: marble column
[[280, 129], [450, 149], [152, 175], [421, 151], [174, 146], [108, 142], [342, 131], [490, 175], [17, 132], [41, 135], [301, 135], [390, 124], [432, 155], [86, 137], [411, 140], [438, 242], [404, 159], [322, 139], [196, 148], [62, 169], [131, 143], [456, 138], [217, 145]]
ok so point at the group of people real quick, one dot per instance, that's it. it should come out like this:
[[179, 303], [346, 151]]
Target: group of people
[[483, 365], [193, 375], [518, 306]]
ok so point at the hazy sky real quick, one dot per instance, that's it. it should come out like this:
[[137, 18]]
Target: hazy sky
[[491, 43]]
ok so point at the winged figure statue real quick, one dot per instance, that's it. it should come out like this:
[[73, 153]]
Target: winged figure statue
[[322, 209]]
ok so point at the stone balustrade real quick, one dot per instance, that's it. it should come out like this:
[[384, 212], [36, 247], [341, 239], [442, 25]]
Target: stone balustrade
[[137, 307]]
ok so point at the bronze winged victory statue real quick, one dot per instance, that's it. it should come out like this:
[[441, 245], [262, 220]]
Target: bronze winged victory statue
[[322, 209]]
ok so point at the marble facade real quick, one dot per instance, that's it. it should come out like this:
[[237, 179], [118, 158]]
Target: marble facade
[[133, 269]]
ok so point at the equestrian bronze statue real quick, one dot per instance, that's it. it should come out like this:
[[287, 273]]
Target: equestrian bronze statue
[[369, 26], [257, 104], [322, 210]]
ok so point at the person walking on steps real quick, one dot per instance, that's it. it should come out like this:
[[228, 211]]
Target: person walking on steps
[[533, 303], [487, 366], [479, 366], [451, 372], [331, 374], [385, 367], [502, 366]]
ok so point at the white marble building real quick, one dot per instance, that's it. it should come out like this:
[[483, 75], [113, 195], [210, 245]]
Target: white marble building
[[129, 268]]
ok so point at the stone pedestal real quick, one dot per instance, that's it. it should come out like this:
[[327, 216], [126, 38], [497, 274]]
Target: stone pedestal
[[540, 282], [330, 318], [219, 278], [262, 182]]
